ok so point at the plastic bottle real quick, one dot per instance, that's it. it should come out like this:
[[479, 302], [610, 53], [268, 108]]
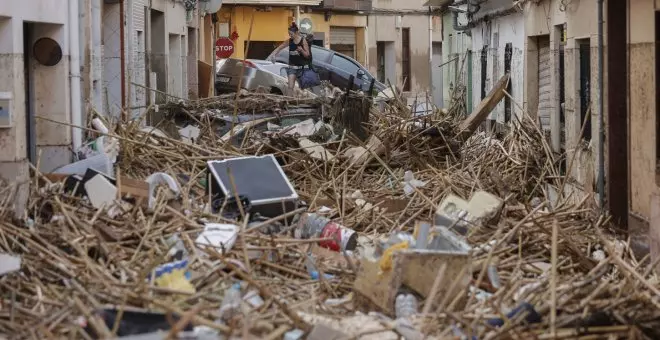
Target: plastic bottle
[[314, 225], [231, 303], [405, 305]]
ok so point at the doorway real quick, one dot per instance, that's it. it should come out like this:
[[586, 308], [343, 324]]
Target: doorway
[[192, 63], [584, 49], [380, 61], [508, 54], [405, 58], [436, 74], [158, 58], [30, 121], [617, 108]]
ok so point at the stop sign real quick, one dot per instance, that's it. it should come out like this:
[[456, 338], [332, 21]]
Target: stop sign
[[224, 47]]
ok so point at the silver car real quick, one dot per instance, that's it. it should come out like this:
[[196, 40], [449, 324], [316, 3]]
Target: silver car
[[257, 73]]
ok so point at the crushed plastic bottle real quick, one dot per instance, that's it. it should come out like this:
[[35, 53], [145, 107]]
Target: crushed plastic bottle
[[231, 303], [314, 225], [405, 305]]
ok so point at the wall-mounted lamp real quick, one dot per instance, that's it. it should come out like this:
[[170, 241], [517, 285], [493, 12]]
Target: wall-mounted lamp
[[327, 16]]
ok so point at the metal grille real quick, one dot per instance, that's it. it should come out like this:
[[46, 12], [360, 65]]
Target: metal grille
[[545, 85], [342, 35]]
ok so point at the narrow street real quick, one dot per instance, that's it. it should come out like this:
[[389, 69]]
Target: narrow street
[[474, 169]]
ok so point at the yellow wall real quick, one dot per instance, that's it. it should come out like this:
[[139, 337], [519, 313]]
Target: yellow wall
[[267, 26], [272, 26], [358, 21]]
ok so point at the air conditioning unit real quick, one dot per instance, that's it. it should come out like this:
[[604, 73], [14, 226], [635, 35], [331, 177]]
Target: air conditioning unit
[[397, 22]]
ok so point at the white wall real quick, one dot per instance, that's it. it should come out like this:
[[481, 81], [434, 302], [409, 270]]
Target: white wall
[[49, 18], [136, 48], [496, 33]]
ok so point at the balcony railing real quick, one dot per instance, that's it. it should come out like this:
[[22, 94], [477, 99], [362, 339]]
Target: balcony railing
[[347, 5]]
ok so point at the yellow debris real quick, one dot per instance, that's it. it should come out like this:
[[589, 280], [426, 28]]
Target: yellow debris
[[385, 262]]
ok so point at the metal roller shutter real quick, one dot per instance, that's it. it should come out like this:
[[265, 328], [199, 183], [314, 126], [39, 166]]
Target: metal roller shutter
[[545, 86], [342, 35]]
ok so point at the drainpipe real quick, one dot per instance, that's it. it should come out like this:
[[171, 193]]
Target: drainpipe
[[74, 69], [601, 120], [430, 50], [97, 98]]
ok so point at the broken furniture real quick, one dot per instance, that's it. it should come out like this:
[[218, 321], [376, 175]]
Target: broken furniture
[[415, 270]]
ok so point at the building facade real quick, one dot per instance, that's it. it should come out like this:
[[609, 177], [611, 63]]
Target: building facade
[[149, 54], [39, 77], [265, 25], [403, 37]]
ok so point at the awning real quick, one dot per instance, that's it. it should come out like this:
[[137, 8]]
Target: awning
[[273, 2], [437, 3]]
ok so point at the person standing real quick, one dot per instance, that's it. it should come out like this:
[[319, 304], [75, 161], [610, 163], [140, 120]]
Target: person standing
[[299, 55]]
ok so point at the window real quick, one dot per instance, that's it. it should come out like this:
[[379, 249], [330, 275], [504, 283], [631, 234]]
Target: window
[[344, 64], [380, 55], [320, 54]]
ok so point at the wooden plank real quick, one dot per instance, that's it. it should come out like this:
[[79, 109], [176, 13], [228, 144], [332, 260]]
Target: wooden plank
[[135, 188], [470, 124], [204, 76]]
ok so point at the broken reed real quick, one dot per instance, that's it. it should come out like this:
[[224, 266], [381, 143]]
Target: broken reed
[[79, 259]]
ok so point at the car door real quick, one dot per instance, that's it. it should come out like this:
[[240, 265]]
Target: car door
[[342, 69]]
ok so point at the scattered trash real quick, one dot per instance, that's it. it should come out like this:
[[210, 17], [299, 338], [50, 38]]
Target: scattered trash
[[254, 299], [323, 332], [157, 178], [259, 178], [134, 322], [174, 275], [314, 225], [9, 264], [101, 160], [295, 334], [410, 183], [531, 315], [405, 305], [220, 237], [598, 255], [231, 303], [100, 191], [177, 248], [315, 150], [189, 134], [313, 272], [460, 215]]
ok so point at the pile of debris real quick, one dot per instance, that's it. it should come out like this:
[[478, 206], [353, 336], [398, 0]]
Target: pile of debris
[[265, 218]]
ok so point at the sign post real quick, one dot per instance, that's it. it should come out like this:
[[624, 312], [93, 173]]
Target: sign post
[[224, 48], [306, 26]]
